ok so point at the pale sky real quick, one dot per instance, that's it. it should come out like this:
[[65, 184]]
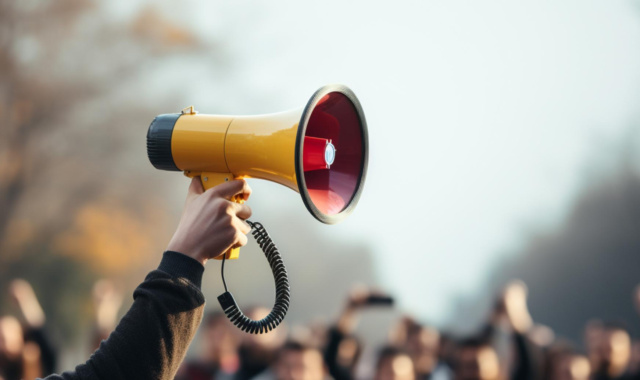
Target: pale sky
[[482, 115]]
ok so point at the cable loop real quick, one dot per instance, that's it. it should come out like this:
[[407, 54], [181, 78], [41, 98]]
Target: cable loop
[[283, 292]]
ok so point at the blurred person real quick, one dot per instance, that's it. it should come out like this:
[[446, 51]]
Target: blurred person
[[258, 352], [343, 348], [394, 364], [636, 298], [296, 361], [615, 353], [634, 361], [515, 335], [563, 363], [152, 338], [32, 361], [571, 367], [107, 300], [11, 348], [446, 356], [476, 359], [37, 343], [218, 357], [422, 343], [19, 359], [593, 334]]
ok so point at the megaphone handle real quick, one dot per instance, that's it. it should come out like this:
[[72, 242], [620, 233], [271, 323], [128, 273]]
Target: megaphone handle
[[210, 180]]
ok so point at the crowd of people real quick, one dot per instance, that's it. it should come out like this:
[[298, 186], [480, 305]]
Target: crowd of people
[[26, 350], [510, 346], [151, 340]]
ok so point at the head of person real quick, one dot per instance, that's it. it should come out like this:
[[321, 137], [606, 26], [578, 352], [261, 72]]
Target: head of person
[[615, 349], [299, 361], [267, 342], [634, 361], [394, 364], [259, 351], [476, 359], [593, 333], [349, 352], [571, 367], [218, 337], [563, 363], [423, 344]]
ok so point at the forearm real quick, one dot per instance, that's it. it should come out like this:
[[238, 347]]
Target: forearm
[[152, 339], [347, 320]]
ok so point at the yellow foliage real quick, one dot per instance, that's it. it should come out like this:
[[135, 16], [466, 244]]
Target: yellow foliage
[[112, 240], [151, 24]]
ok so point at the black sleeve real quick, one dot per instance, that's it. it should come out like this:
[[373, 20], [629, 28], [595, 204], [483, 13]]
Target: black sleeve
[[152, 338]]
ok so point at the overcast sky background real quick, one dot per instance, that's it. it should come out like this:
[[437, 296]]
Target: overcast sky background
[[485, 117]]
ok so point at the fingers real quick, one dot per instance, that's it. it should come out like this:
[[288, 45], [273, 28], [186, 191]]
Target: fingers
[[242, 211], [241, 225], [21, 290], [229, 189], [213, 210], [241, 241]]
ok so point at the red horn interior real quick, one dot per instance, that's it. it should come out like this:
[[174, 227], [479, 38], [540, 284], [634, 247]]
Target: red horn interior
[[333, 119]]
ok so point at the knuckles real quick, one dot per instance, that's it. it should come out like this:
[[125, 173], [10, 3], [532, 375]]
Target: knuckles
[[246, 210], [222, 207], [241, 238]]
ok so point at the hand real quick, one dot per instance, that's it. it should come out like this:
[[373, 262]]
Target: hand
[[356, 301], [107, 300], [515, 304], [211, 223], [23, 294], [358, 297]]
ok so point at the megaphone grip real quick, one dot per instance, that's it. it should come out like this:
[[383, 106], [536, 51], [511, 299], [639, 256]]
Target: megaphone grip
[[283, 292]]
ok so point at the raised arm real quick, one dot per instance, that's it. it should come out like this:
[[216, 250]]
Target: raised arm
[[152, 338]]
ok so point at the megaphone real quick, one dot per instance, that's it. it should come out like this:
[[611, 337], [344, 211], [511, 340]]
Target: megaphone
[[320, 150]]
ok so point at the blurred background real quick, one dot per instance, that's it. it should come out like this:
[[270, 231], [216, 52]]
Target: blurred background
[[503, 144]]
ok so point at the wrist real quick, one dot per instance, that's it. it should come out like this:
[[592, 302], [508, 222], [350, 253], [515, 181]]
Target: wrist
[[179, 265], [185, 249]]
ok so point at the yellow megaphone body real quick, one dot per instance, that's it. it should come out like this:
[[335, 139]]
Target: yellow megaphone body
[[320, 151]]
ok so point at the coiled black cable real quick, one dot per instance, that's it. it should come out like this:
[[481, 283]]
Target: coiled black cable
[[283, 293]]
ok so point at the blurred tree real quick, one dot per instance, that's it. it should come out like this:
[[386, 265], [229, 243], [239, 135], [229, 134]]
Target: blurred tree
[[113, 235], [60, 137]]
